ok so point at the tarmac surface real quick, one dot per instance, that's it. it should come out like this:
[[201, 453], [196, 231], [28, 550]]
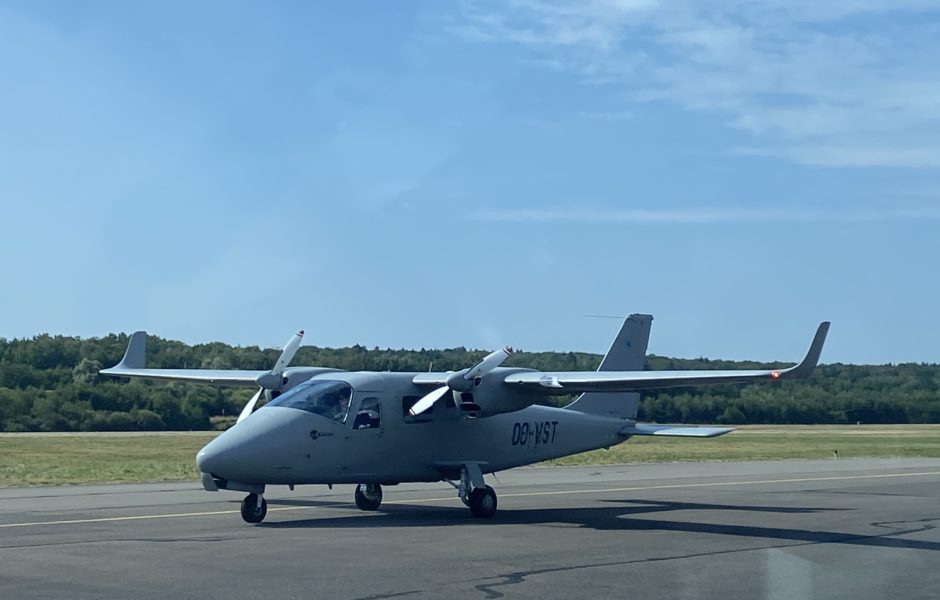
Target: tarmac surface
[[789, 529]]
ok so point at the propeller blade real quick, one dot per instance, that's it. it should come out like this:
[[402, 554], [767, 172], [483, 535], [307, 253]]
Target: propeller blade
[[290, 349], [490, 362], [462, 381], [428, 401], [250, 407], [274, 379]]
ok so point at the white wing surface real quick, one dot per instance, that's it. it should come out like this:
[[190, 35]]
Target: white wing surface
[[565, 382], [132, 365]]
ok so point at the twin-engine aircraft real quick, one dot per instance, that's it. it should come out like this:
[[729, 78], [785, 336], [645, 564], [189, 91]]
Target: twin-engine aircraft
[[326, 426]]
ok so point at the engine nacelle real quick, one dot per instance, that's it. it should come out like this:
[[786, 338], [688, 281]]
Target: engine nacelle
[[494, 397]]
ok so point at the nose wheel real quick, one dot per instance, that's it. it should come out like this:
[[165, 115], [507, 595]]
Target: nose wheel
[[254, 508], [368, 496]]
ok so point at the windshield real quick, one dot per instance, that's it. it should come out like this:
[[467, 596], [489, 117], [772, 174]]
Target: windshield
[[323, 397]]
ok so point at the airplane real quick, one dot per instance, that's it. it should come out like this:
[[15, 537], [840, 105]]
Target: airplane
[[322, 425]]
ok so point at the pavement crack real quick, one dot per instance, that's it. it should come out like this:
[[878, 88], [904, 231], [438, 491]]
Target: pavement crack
[[391, 595]]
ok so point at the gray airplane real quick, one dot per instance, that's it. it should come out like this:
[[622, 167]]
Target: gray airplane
[[326, 426]]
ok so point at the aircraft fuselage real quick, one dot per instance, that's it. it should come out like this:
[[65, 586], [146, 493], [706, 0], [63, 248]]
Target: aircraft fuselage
[[285, 445]]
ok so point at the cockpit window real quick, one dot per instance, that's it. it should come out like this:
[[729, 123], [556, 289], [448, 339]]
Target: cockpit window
[[323, 397]]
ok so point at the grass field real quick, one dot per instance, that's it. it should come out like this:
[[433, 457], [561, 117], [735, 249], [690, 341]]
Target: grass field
[[776, 442], [55, 459]]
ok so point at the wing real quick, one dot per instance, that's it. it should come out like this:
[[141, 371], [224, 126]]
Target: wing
[[566, 382], [132, 365], [217, 376]]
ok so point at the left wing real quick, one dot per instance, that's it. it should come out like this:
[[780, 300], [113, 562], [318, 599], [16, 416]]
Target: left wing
[[132, 365], [566, 382]]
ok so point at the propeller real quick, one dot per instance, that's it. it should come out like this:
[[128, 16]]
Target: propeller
[[273, 379], [462, 381]]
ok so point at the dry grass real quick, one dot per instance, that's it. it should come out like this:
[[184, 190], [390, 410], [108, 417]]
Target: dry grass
[[55, 459]]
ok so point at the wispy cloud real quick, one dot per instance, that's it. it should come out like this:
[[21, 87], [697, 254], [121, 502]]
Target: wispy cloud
[[619, 115], [838, 84], [702, 215]]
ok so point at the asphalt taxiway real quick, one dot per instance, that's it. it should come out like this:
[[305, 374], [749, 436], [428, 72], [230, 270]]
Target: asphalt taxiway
[[789, 529]]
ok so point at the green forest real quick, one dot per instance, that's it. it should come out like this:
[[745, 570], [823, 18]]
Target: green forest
[[51, 383]]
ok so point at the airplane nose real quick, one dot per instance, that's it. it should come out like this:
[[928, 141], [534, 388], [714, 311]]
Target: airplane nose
[[248, 451], [218, 458], [227, 456]]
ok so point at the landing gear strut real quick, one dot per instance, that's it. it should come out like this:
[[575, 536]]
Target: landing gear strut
[[254, 508], [368, 496], [479, 497]]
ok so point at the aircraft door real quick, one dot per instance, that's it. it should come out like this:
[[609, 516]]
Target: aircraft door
[[365, 455]]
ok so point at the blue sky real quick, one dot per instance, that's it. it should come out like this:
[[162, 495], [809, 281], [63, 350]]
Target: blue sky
[[433, 174]]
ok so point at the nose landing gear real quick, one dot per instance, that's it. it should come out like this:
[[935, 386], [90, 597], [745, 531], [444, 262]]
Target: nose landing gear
[[254, 508]]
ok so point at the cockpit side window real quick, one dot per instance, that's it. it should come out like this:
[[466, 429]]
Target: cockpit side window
[[319, 396], [369, 415]]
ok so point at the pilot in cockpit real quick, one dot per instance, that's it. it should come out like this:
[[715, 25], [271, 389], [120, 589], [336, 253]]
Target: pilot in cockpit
[[342, 405]]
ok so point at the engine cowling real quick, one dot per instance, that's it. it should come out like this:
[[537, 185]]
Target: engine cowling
[[492, 397]]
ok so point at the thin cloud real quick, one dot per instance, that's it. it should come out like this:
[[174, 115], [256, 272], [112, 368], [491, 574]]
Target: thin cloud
[[797, 75], [701, 216], [620, 115]]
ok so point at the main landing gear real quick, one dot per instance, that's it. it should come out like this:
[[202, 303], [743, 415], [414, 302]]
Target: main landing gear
[[479, 497], [254, 508], [482, 502], [368, 496]]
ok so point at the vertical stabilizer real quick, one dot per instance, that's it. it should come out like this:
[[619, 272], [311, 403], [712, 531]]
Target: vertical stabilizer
[[627, 353]]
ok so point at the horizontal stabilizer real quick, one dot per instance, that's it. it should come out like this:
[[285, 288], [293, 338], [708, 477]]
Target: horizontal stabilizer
[[674, 430]]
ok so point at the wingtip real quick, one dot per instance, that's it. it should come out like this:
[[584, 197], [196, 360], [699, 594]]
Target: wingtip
[[133, 355], [809, 362]]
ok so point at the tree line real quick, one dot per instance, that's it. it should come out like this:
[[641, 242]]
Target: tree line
[[51, 383]]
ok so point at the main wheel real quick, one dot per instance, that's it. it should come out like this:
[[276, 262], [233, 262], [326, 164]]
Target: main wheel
[[483, 502], [368, 496], [252, 511]]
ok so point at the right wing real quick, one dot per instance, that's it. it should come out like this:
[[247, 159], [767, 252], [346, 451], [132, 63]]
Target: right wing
[[565, 382], [132, 365]]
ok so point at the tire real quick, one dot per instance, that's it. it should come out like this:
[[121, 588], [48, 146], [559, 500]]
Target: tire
[[251, 512], [368, 496], [483, 502]]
